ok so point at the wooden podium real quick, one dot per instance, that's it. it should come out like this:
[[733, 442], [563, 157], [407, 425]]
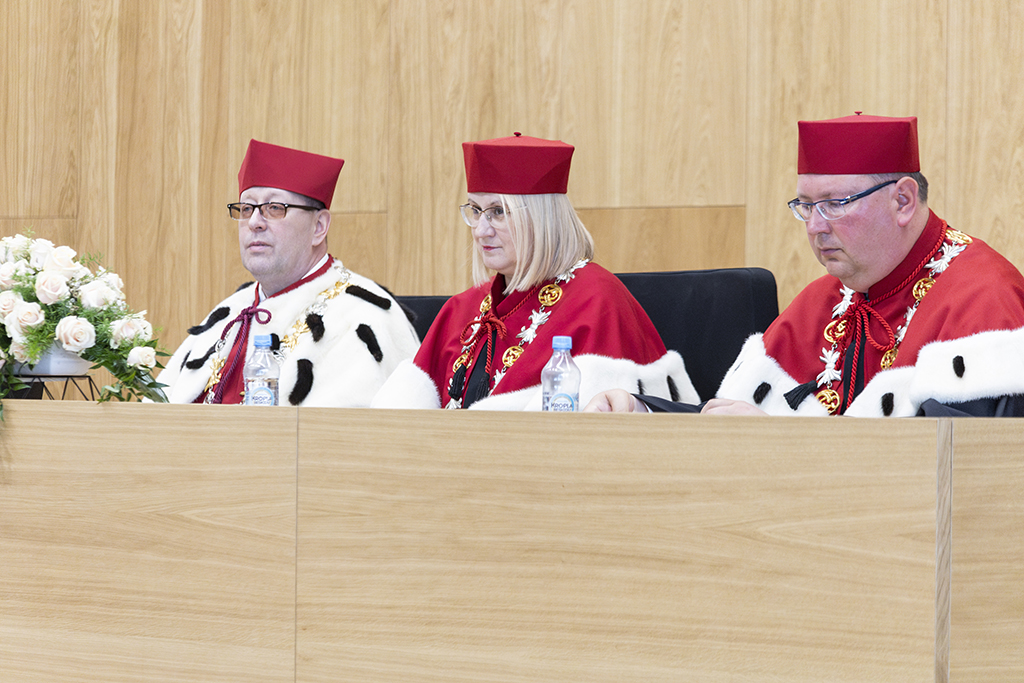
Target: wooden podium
[[226, 543]]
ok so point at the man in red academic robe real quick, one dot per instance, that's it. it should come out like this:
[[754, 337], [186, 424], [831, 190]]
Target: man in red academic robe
[[914, 317]]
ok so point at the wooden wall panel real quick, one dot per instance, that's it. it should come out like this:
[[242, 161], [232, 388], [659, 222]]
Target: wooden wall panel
[[136, 549], [988, 552], [564, 71], [986, 124], [159, 134], [813, 60], [98, 213], [654, 100], [459, 71], [313, 75], [130, 121], [573, 553], [39, 162], [637, 240], [57, 230], [358, 239], [212, 234]]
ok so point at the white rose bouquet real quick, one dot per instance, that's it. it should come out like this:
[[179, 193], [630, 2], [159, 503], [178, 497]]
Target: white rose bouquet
[[48, 297]]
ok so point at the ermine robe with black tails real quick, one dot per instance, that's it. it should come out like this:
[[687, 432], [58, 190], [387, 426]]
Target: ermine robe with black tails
[[344, 358]]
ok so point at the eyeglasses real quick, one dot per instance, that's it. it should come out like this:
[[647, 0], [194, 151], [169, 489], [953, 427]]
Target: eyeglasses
[[471, 214], [830, 209], [241, 211]]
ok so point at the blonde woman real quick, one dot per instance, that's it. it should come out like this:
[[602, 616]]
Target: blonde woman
[[532, 261]]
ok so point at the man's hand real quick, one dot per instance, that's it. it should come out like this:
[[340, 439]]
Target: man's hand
[[615, 401], [725, 406]]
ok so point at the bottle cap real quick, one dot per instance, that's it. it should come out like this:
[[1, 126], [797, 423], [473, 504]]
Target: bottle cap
[[261, 341], [561, 343]]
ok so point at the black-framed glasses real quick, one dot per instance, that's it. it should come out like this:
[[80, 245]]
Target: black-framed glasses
[[830, 209], [242, 211], [471, 214]]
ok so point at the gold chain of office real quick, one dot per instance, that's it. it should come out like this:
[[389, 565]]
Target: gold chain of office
[[291, 339], [836, 329]]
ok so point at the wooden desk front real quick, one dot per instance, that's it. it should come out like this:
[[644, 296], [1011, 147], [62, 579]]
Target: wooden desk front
[[153, 543]]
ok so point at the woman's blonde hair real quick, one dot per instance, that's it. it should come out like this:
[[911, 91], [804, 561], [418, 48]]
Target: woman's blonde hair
[[548, 238]]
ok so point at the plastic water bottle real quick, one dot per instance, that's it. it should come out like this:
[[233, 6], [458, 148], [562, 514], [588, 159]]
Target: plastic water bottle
[[261, 374], [560, 378]]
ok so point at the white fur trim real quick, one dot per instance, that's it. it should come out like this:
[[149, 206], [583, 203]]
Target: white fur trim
[[524, 399], [896, 382], [600, 373], [345, 374], [407, 387], [754, 367], [993, 366]]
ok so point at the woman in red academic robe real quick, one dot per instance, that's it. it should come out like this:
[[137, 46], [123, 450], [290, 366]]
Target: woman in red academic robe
[[532, 261]]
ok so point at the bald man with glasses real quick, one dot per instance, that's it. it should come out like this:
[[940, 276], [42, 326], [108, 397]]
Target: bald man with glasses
[[336, 334], [914, 316]]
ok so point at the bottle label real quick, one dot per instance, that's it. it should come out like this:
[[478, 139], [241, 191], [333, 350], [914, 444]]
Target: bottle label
[[562, 403], [260, 394]]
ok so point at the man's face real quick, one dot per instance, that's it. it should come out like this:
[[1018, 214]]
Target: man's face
[[863, 246], [281, 251]]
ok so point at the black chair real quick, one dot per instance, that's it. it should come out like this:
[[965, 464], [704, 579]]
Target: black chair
[[421, 310], [706, 315]]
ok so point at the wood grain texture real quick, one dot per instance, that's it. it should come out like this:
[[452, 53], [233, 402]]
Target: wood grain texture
[[988, 552], [125, 123], [637, 240], [943, 548], [986, 125], [146, 543], [131, 120], [39, 162], [154, 543], [812, 60], [459, 71], [454, 547], [655, 96]]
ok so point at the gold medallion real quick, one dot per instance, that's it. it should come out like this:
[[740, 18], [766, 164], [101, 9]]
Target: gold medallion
[[922, 286], [958, 237], [485, 305], [830, 399], [511, 355], [461, 360], [550, 295], [835, 331], [889, 358]]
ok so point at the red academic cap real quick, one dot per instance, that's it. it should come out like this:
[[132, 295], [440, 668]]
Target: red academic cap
[[312, 175], [517, 165], [859, 145]]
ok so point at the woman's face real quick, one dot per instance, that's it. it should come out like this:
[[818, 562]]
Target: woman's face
[[492, 234]]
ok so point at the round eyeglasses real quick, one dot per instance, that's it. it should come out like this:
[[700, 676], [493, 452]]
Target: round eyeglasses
[[242, 211], [830, 209], [472, 214]]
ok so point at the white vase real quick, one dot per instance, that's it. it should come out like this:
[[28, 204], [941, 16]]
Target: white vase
[[56, 361]]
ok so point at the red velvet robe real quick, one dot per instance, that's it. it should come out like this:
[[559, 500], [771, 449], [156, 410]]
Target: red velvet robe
[[595, 309], [978, 292]]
